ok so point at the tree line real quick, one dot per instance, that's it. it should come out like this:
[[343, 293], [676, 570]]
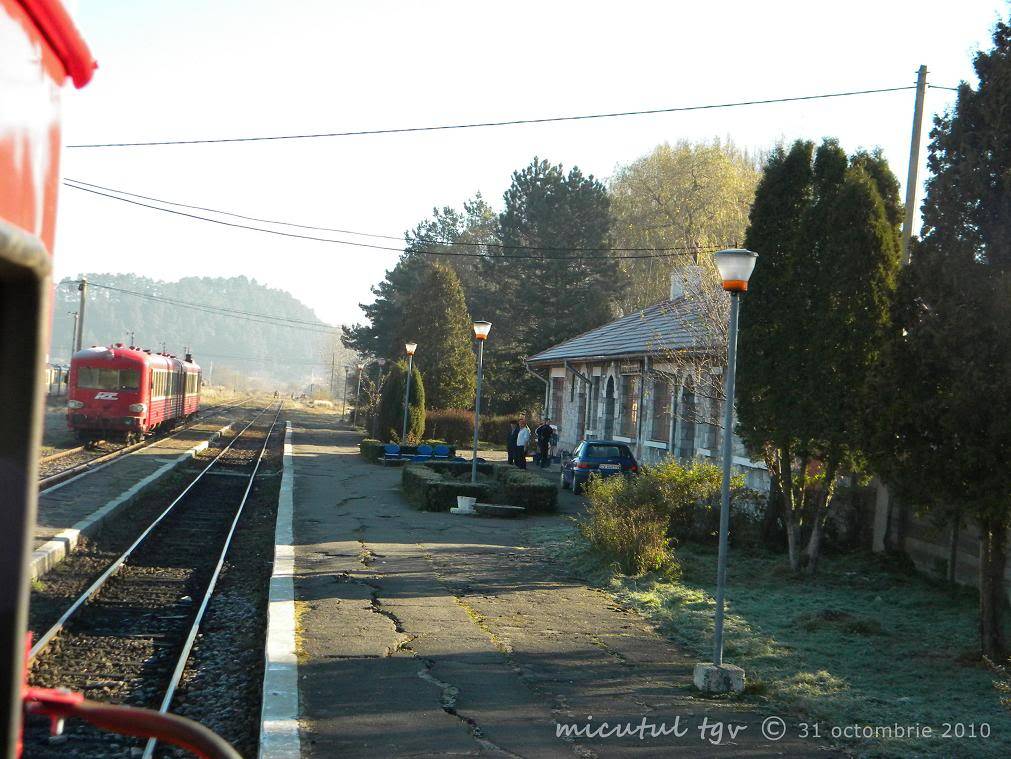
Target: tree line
[[566, 253]]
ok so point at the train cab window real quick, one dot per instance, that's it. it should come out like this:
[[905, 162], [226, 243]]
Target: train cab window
[[96, 378]]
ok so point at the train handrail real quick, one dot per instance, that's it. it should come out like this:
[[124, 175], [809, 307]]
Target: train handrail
[[175, 729]]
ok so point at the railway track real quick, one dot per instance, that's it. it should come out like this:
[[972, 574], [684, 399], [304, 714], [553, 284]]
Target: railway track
[[128, 635], [74, 461]]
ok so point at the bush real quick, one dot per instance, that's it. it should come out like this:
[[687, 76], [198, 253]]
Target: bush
[[453, 424], [457, 425], [630, 519], [633, 537], [370, 449], [518, 487]]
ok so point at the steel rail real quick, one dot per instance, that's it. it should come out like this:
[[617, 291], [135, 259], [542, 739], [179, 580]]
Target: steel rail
[[184, 654], [97, 585], [61, 454], [100, 462]]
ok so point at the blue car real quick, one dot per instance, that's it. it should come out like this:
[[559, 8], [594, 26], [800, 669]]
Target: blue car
[[602, 457]]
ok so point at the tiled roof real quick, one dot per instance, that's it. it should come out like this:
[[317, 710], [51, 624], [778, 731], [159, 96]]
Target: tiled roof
[[669, 325]]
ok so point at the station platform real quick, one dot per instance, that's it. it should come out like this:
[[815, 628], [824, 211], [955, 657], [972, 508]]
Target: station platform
[[78, 506], [408, 633]]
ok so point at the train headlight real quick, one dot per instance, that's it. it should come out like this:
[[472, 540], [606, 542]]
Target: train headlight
[[138, 408], [75, 404]]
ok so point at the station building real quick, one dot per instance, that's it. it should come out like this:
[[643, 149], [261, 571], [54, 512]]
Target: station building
[[652, 379]]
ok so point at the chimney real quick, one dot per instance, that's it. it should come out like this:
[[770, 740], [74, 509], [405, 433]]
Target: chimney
[[685, 281]]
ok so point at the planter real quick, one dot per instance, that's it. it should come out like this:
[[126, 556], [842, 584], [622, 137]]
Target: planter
[[465, 503]]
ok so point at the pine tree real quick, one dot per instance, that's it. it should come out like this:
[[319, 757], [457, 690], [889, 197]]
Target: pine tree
[[942, 439], [567, 284], [435, 316]]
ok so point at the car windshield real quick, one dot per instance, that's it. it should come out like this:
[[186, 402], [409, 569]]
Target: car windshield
[[97, 378], [605, 451]]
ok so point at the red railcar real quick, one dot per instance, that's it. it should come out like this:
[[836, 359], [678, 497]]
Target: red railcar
[[127, 392]]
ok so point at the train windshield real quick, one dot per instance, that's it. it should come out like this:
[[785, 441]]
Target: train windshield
[[96, 378]]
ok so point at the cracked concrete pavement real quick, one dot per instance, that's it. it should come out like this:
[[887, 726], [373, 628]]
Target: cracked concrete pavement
[[424, 634]]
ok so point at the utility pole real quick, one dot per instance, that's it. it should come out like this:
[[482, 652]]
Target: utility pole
[[73, 335], [883, 498], [82, 288], [333, 361], [914, 162], [131, 333]]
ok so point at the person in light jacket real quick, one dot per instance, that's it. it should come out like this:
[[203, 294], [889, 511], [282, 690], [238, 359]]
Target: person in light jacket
[[522, 440]]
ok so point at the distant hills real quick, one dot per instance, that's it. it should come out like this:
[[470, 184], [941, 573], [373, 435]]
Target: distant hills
[[236, 328]]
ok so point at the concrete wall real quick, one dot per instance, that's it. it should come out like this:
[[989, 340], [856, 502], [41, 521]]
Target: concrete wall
[[928, 543]]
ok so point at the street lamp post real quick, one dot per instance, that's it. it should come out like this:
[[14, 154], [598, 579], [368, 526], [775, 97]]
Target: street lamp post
[[481, 330], [735, 268], [410, 348], [358, 392]]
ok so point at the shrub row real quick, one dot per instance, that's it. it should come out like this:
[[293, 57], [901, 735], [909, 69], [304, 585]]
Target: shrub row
[[431, 486], [457, 426]]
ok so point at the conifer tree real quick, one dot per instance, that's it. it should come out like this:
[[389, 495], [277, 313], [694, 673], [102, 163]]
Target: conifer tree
[[815, 322], [435, 316], [391, 405], [941, 438]]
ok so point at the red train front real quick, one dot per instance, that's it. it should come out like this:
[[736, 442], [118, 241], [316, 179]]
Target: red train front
[[125, 393]]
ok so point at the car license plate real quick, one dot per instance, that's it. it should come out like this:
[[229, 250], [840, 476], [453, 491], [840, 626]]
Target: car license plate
[[609, 467]]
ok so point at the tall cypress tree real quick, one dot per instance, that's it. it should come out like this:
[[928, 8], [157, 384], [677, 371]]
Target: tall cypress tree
[[435, 316], [942, 439], [391, 405], [815, 322]]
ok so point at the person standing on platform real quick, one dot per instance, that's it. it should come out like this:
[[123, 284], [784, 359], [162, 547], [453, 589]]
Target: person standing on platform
[[522, 439], [514, 430], [543, 435]]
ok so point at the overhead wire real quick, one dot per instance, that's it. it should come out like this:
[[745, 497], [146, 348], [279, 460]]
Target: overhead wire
[[659, 252], [70, 182], [483, 124]]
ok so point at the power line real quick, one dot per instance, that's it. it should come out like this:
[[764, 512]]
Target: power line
[[510, 122], [658, 253], [427, 241]]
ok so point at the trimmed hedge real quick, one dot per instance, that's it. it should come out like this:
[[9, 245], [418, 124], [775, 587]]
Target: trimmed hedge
[[456, 468], [430, 491], [370, 449], [518, 487], [429, 486]]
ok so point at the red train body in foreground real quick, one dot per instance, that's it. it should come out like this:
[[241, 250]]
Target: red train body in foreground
[[126, 393]]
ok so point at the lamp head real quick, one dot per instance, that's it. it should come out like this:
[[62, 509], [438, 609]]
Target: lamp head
[[736, 265], [481, 330], [411, 347], [381, 362]]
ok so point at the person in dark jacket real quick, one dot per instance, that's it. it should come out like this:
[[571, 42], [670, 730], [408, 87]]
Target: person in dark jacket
[[543, 435], [514, 431]]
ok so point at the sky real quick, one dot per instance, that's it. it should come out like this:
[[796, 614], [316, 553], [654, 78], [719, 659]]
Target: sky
[[194, 69]]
